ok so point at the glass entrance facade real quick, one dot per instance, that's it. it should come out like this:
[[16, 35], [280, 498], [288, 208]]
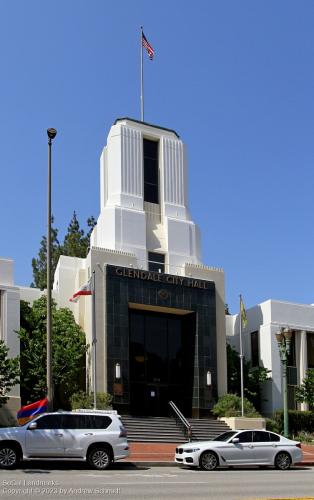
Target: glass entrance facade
[[161, 333], [161, 362]]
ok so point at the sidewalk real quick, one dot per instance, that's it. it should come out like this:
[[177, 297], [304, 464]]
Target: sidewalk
[[163, 453], [308, 454]]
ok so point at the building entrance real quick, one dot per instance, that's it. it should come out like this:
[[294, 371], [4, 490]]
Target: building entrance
[[161, 362]]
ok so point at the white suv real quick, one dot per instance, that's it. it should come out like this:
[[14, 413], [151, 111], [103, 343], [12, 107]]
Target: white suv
[[96, 436]]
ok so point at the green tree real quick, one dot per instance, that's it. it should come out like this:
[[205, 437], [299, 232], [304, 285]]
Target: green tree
[[39, 264], [75, 244], [305, 393], [9, 373], [68, 353], [253, 377], [74, 241], [91, 223]]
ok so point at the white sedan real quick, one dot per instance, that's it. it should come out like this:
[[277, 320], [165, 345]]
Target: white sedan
[[245, 447]]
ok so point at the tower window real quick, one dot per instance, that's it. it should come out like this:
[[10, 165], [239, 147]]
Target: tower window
[[151, 188], [156, 262]]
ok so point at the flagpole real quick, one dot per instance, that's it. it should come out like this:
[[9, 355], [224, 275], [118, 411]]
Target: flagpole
[[241, 361], [142, 78], [94, 340]]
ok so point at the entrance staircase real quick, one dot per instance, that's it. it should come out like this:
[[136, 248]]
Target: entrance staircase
[[204, 429], [166, 429]]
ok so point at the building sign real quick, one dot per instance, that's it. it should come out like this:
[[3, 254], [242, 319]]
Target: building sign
[[160, 277]]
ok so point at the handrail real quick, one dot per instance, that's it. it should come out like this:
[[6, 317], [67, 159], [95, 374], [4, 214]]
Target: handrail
[[187, 426]]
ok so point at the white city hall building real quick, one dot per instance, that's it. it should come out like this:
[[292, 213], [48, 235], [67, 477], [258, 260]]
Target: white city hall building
[[158, 313]]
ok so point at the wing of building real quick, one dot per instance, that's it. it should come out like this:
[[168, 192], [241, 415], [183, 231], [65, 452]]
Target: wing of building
[[260, 346]]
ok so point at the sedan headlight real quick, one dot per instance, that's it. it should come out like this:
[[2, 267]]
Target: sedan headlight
[[191, 450]]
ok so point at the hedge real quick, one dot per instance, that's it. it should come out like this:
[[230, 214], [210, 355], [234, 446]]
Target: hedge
[[298, 421]]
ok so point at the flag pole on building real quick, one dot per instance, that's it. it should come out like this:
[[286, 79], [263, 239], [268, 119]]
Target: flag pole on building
[[94, 341], [243, 322], [90, 289], [150, 51]]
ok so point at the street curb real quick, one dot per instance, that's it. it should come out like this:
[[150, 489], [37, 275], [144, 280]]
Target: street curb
[[150, 463], [171, 464]]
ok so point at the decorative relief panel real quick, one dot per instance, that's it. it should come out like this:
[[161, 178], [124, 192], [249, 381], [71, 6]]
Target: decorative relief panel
[[132, 161], [173, 171]]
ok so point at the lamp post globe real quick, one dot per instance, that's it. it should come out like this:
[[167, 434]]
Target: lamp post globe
[[51, 132]]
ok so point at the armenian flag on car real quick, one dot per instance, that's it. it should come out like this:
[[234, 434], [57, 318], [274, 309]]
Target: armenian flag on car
[[28, 412]]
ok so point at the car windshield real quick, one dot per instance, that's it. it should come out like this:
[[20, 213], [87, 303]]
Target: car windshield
[[225, 436]]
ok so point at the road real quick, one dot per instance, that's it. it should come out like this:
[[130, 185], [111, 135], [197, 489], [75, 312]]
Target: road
[[58, 481]]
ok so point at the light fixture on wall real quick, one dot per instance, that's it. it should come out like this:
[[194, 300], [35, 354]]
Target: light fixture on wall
[[117, 371], [208, 378]]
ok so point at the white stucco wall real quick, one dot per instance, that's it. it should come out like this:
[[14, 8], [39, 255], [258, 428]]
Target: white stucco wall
[[9, 325]]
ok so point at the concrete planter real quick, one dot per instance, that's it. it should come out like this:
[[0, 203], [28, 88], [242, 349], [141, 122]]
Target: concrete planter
[[244, 422]]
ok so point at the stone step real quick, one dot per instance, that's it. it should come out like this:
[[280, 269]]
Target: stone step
[[167, 430]]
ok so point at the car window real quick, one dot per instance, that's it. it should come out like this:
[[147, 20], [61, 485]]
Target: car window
[[260, 436], [225, 436], [72, 422], [49, 422], [274, 437], [245, 437], [86, 421], [101, 421]]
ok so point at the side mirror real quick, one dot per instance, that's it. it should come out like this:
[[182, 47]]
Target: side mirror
[[32, 426], [235, 440]]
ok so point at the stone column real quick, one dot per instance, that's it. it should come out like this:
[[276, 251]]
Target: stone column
[[303, 366]]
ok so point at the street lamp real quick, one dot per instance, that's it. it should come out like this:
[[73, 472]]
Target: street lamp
[[283, 337], [51, 132]]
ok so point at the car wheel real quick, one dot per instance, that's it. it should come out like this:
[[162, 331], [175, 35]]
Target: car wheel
[[99, 458], [9, 457], [283, 461], [208, 460]]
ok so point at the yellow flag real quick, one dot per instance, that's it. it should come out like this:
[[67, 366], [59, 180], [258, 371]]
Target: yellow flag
[[243, 313]]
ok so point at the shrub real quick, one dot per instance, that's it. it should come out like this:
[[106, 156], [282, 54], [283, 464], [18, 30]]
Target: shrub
[[272, 425], [304, 437], [299, 421], [82, 400], [229, 405]]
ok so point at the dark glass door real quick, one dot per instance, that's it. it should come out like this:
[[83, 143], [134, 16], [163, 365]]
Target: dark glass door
[[161, 362]]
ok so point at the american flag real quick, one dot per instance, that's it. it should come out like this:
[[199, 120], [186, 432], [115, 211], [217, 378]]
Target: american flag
[[148, 47]]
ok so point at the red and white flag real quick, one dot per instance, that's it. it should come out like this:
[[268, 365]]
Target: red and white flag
[[148, 47], [84, 290]]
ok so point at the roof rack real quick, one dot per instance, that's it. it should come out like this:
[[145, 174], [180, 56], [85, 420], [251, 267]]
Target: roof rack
[[91, 410]]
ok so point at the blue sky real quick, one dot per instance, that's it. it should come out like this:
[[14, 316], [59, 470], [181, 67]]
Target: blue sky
[[235, 79]]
